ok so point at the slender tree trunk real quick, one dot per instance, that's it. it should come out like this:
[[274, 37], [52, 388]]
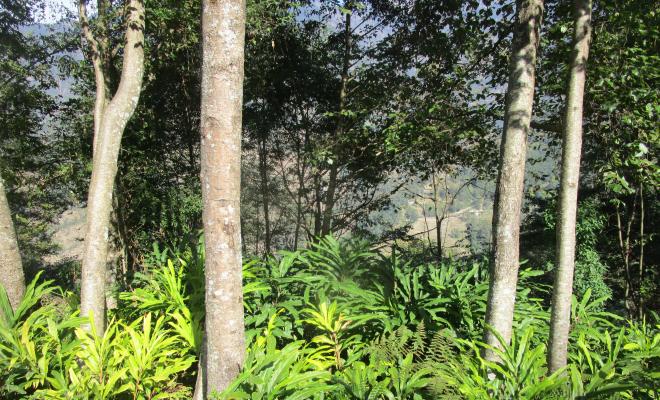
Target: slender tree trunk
[[104, 169], [299, 199], [560, 320], [301, 172], [509, 192], [641, 251], [200, 382], [318, 215], [121, 236], [626, 250], [11, 267], [629, 249], [98, 57], [263, 174], [192, 128], [223, 32], [438, 219], [438, 237], [101, 59], [328, 210], [330, 200]]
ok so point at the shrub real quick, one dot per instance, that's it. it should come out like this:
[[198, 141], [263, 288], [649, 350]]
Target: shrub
[[335, 321]]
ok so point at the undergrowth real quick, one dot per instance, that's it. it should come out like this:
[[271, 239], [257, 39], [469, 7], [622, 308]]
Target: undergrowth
[[335, 321]]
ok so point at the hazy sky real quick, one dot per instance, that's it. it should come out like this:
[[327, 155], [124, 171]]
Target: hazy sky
[[55, 10]]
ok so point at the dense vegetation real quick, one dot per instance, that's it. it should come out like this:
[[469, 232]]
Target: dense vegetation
[[357, 182], [336, 321]]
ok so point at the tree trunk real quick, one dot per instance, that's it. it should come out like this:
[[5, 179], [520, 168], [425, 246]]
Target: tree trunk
[[104, 168], [560, 320], [509, 192], [438, 238], [98, 57], [626, 251], [299, 199], [302, 190], [223, 32], [328, 210], [640, 308], [318, 215], [438, 219], [263, 175], [11, 267], [101, 59], [330, 200], [119, 260]]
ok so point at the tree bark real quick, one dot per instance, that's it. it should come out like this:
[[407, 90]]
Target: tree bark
[[101, 59], [560, 320], [509, 192], [104, 169], [223, 32], [11, 267]]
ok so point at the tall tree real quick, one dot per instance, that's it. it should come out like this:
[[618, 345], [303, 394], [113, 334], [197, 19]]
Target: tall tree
[[11, 267], [623, 142], [223, 40], [107, 142], [160, 146], [570, 178], [618, 172], [326, 225], [99, 56], [27, 52], [314, 109], [509, 191]]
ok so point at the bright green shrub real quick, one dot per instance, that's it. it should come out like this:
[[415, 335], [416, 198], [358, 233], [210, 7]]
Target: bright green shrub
[[46, 353], [336, 321], [272, 373]]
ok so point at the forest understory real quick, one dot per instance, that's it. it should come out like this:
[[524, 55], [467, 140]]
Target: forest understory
[[341, 199]]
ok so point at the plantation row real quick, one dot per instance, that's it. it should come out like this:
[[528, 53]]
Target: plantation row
[[336, 321]]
